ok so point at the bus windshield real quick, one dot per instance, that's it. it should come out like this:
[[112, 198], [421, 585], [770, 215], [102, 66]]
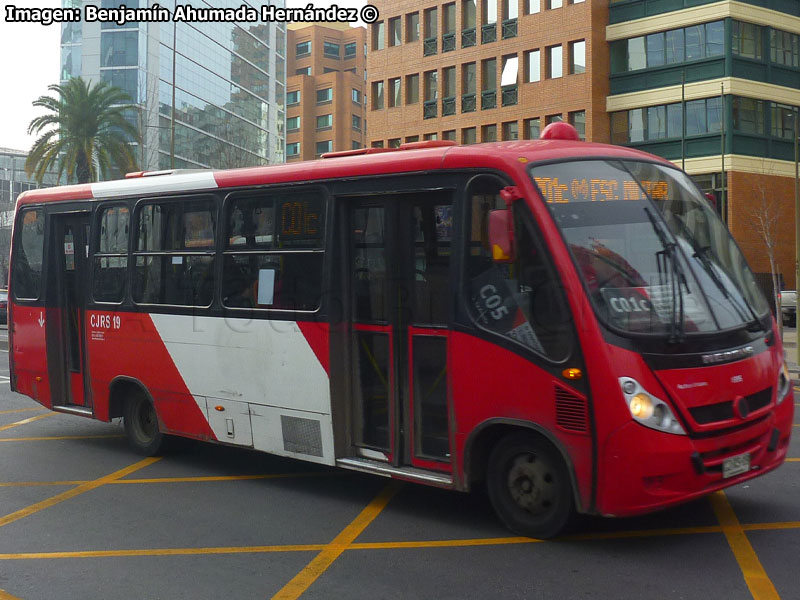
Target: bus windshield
[[653, 254]]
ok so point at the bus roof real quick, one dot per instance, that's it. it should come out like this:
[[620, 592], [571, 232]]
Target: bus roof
[[511, 157]]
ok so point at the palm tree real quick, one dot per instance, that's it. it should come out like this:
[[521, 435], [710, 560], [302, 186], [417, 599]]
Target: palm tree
[[87, 132]]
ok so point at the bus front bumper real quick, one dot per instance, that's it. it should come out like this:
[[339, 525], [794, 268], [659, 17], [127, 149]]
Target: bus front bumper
[[643, 470]]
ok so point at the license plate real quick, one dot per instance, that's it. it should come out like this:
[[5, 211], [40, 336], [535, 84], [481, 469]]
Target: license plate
[[736, 465]]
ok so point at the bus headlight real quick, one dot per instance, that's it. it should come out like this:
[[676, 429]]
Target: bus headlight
[[647, 409], [784, 382]]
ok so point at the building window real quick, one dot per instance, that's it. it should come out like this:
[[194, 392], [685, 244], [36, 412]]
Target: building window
[[489, 133], [293, 149], [324, 121], [782, 117], [395, 98], [377, 95], [489, 12], [412, 88], [748, 117], [377, 144], [331, 50], [510, 131], [430, 136], [412, 27], [411, 139], [431, 86], [531, 128], [356, 95], [552, 119], [673, 46], [578, 120], [303, 71], [577, 57], [350, 50], [532, 66], [324, 95], [354, 145], [747, 39], [323, 147], [356, 122], [532, 7], [551, 4], [489, 84], [293, 98], [430, 31], [303, 49], [468, 14], [394, 143], [784, 48], [450, 134], [292, 123], [449, 27], [555, 59], [378, 36], [395, 33], [468, 135]]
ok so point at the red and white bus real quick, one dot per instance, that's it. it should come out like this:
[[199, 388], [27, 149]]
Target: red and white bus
[[568, 322]]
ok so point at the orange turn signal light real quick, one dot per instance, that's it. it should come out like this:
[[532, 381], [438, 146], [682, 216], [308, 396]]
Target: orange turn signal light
[[572, 373], [219, 408]]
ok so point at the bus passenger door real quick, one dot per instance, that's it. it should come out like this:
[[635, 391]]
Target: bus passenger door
[[65, 333], [400, 295]]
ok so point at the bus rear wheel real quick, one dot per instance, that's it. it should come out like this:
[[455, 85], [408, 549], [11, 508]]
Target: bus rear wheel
[[141, 426], [529, 486]]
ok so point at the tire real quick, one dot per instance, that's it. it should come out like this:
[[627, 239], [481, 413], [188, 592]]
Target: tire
[[141, 426], [529, 486]]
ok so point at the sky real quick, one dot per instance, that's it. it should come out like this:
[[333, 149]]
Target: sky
[[30, 62]]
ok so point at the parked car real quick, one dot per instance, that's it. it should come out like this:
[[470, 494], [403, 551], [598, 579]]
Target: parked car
[[3, 306], [788, 300]]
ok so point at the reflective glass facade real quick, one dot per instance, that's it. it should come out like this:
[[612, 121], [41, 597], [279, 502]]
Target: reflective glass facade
[[228, 93]]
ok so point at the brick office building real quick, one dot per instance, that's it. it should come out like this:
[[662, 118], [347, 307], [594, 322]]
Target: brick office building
[[476, 71], [325, 103]]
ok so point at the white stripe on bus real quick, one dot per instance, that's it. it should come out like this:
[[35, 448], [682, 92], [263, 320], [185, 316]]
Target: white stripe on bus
[[153, 185]]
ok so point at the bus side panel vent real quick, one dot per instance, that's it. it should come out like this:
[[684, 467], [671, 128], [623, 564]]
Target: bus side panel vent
[[571, 411], [301, 436]]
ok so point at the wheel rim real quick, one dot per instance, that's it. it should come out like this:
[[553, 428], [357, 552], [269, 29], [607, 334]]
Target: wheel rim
[[532, 484], [146, 422]]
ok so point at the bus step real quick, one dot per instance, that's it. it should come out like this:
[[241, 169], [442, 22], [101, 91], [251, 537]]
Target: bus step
[[408, 473], [81, 411]]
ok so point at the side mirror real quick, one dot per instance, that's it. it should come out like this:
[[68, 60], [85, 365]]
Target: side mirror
[[501, 235]]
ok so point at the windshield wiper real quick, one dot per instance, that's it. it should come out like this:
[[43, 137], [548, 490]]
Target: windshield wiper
[[677, 333]]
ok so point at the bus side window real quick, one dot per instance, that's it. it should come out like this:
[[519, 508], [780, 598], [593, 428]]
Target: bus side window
[[522, 300], [28, 255], [111, 254]]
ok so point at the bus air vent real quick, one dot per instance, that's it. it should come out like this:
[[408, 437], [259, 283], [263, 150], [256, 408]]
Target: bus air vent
[[301, 436], [571, 411]]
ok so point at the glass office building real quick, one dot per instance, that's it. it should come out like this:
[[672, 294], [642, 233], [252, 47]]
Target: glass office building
[[205, 95]]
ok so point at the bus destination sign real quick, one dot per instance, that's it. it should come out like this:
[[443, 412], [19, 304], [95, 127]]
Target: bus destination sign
[[586, 189]]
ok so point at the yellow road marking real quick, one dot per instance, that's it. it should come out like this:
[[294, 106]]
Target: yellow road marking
[[26, 421], [84, 487], [301, 582], [162, 552], [755, 576], [210, 478], [19, 410], [4, 595], [793, 460], [62, 437], [389, 545]]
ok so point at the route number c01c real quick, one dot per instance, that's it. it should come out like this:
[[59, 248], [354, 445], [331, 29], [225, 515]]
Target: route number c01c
[[493, 302], [621, 304]]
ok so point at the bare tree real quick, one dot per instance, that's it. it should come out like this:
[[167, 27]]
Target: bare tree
[[765, 216]]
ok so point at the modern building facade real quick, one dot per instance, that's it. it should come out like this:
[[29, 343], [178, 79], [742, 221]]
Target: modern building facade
[[486, 70], [325, 97], [715, 86], [226, 107]]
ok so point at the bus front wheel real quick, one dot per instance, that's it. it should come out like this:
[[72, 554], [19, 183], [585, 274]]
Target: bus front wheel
[[529, 486], [141, 426]]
